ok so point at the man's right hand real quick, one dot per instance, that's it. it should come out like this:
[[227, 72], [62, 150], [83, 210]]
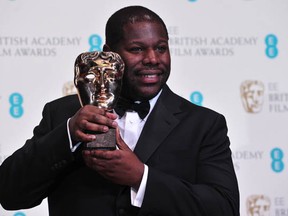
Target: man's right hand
[[90, 118]]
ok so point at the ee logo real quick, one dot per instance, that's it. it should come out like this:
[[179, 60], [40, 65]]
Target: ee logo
[[277, 156], [271, 42], [196, 98], [95, 42], [19, 214], [16, 101]]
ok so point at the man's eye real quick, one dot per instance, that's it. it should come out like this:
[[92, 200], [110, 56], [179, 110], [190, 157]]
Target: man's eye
[[162, 48], [135, 49]]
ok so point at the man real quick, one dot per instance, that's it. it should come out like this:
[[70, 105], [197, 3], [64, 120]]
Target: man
[[175, 161]]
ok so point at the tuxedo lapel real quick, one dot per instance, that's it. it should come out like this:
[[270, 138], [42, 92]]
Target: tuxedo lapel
[[159, 124]]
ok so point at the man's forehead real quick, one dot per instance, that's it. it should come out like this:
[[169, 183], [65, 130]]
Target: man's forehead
[[142, 30]]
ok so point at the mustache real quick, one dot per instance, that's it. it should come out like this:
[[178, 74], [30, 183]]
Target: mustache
[[149, 68]]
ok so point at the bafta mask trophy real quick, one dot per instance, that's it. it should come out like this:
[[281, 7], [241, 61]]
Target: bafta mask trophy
[[98, 79]]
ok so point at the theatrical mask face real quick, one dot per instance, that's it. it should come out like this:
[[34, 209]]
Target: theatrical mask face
[[252, 93], [258, 205], [98, 78]]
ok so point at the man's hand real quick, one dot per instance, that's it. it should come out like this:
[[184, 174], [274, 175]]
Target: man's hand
[[90, 118], [120, 166]]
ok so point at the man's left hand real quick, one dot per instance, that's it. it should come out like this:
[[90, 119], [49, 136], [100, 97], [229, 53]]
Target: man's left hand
[[120, 166]]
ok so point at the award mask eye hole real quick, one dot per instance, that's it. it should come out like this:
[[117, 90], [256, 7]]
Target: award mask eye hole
[[90, 77], [110, 76]]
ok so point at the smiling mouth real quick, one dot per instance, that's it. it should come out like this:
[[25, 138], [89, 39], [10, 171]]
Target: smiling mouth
[[149, 79], [150, 75]]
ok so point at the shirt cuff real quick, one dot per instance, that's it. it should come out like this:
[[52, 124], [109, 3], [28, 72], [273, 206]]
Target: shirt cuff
[[138, 196], [72, 147]]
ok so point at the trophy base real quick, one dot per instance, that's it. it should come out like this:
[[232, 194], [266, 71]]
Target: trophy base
[[104, 141]]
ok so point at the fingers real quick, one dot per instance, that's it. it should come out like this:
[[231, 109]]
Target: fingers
[[120, 142], [79, 135], [111, 115], [90, 119], [89, 127], [100, 160], [118, 166], [95, 119]]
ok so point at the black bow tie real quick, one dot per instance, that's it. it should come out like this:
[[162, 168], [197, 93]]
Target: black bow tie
[[124, 105]]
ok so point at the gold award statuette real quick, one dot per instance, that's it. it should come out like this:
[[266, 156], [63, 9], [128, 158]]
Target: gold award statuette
[[98, 80]]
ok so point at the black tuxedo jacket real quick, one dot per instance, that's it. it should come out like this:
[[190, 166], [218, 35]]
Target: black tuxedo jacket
[[185, 147]]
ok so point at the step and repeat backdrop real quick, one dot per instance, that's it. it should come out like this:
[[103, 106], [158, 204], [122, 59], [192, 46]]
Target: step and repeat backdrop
[[230, 56]]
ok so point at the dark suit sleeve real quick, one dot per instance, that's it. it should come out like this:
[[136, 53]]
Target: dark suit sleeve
[[214, 192], [27, 175]]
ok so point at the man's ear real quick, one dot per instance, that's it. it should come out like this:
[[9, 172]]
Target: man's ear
[[106, 48]]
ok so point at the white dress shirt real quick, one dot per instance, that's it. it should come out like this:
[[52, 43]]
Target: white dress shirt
[[130, 127]]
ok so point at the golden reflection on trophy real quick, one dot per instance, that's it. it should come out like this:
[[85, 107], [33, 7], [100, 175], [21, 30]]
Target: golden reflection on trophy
[[98, 79]]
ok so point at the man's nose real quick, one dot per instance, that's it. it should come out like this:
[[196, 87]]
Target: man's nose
[[151, 57]]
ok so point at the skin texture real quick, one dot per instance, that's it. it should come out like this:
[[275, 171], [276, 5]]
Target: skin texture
[[145, 52]]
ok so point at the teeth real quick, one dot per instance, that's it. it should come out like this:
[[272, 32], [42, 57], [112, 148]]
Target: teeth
[[150, 76]]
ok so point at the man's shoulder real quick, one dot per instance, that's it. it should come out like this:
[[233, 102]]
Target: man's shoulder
[[199, 108], [69, 101], [186, 105], [65, 99]]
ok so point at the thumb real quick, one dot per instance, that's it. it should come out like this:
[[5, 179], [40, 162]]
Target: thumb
[[120, 142]]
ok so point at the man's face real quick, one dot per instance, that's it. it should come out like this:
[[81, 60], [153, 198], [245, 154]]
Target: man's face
[[145, 52]]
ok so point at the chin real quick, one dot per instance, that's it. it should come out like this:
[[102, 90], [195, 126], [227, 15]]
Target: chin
[[143, 93], [147, 95]]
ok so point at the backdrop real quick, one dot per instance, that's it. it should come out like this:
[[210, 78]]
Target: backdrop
[[230, 56]]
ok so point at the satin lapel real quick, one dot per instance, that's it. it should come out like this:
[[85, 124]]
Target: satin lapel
[[159, 124]]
